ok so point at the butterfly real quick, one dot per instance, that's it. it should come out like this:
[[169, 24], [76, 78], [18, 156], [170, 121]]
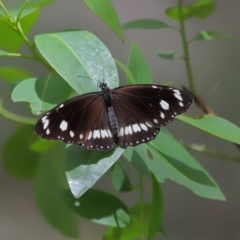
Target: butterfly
[[123, 116]]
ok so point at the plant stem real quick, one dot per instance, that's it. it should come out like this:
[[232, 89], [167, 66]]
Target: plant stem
[[4, 8], [18, 55], [185, 49], [21, 10], [15, 117], [203, 149], [141, 204], [15, 25]]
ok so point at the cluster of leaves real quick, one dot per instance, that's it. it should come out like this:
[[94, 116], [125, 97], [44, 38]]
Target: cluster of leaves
[[67, 55]]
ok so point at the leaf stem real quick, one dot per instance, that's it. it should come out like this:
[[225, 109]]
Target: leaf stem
[[185, 49], [18, 55], [15, 117], [16, 26], [203, 149], [141, 191], [4, 8], [21, 10]]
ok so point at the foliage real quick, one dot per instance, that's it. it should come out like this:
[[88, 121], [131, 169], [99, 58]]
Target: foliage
[[83, 54]]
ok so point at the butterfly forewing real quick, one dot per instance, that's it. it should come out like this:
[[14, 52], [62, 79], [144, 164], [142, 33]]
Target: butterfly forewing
[[81, 120], [142, 109]]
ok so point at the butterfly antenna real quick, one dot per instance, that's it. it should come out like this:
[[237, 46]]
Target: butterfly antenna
[[97, 81], [103, 75]]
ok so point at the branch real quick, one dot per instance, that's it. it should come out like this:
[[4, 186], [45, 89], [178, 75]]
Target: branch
[[15, 117], [203, 149]]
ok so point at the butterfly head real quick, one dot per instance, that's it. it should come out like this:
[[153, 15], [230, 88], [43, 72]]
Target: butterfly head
[[103, 87]]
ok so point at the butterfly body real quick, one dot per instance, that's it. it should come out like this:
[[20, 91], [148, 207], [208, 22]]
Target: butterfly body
[[124, 116]]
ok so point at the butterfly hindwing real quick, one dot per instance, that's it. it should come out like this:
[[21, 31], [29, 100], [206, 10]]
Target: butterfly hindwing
[[142, 109]]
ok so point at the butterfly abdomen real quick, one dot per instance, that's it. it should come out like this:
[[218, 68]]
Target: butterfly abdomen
[[113, 123], [111, 115]]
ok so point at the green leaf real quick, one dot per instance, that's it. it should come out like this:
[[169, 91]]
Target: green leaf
[[99, 207], [29, 7], [13, 75], [26, 8], [2, 15], [82, 56], [145, 24], [199, 9], [49, 180], [179, 159], [127, 72], [84, 168], [133, 155], [177, 165], [11, 40], [211, 35], [138, 66], [18, 158], [168, 55], [42, 145], [105, 11], [120, 179], [216, 126], [3, 53], [140, 223], [156, 209], [41, 93], [36, 3]]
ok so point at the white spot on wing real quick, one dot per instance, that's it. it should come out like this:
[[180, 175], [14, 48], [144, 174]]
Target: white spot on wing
[[162, 115], [46, 124], [181, 104], [136, 128], [143, 126], [177, 91], [60, 106], [155, 120], [44, 119], [148, 124], [178, 96], [154, 86], [81, 136], [164, 105], [63, 125], [71, 133], [104, 133], [121, 132], [96, 134], [89, 135], [128, 130], [48, 131], [109, 133]]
